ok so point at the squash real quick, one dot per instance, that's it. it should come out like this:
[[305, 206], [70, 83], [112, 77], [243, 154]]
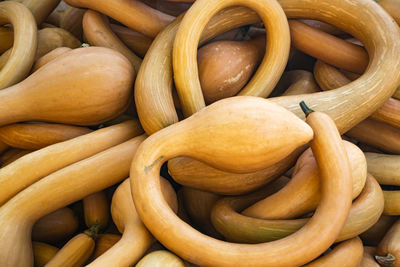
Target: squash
[[347, 106], [328, 48], [71, 21], [18, 175], [103, 243], [136, 41], [226, 66], [75, 253], [364, 213], [173, 9], [330, 78], [200, 249], [388, 249], [56, 226], [97, 31], [7, 39], [147, 20], [187, 38], [43, 253], [136, 239], [349, 253], [98, 85], [386, 168], [62, 187], [12, 155], [96, 210], [160, 258], [296, 82], [392, 7], [193, 173], [392, 202], [25, 41], [375, 233], [49, 57], [368, 259], [301, 195], [34, 136], [40, 8], [377, 134], [322, 26]]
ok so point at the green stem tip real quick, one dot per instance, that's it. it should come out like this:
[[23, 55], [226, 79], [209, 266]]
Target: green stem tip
[[386, 261], [305, 108], [93, 231]]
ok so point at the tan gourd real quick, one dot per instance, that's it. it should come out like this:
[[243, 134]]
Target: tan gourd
[[301, 194], [71, 20], [136, 239], [98, 32], [103, 243], [322, 26], [98, 85], [53, 54], [226, 66], [18, 175], [96, 210], [200, 249], [6, 39], [385, 168], [297, 82], [187, 38], [137, 42], [368, 259], [330, 49], [364, 213], [12, 155], [55, 226], [377, 134], [347, 106], [392, 7], [24, 46], [40, 8], [193, 173], [74, 253], [349, 253], [392, 202], [388, 248], [174, 9], [160, 258], [34, 136], [375, 233], [62, 187], [43, 253], [146, 20]]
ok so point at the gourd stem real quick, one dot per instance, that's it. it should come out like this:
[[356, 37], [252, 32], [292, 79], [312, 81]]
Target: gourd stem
[[386, 261], [93, 231], [305, 108]]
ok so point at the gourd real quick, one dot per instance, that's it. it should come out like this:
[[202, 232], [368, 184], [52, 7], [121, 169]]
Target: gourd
[[96, 210], [49, 57], [40, 8], [137, 42], [34, 136], [388, 248], [7, 38], [98, 86], [43, 253], [368, 259], [160, 258], [375, 233], [103, 243], [296, 82], [63, 187], [385, 167], [18, 175], [200, 249]]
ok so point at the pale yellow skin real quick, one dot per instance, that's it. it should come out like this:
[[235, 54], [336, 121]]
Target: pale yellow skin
[[160, 258]]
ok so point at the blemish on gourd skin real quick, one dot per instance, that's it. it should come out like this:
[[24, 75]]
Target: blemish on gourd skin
[[147, 169]]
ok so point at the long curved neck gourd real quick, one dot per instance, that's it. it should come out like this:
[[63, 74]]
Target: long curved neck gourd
[[85, 86]]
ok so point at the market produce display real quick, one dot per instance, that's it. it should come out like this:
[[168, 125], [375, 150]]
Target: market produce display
[[199, 133]]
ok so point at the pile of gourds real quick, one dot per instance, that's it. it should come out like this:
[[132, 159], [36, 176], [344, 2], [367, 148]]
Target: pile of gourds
[[164, 133]]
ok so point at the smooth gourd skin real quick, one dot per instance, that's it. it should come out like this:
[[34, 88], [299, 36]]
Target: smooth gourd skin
[[91, 90], [390, 243], [96, 210], [49, 57], [43, 253], [160, 258]]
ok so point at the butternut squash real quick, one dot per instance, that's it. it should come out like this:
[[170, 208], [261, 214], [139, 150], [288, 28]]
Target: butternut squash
[[160, 258], [147, 20], [7, 39], [18, 175], [56, 226], [301, 195], [49, 57], [187, 38], [368, 259], [377, 134], [328, 48], [388, 248], [25, 41], [62, 187], [226, 66], [392, 202], [75, 253], [98, 85], [43, 253], [103, 243], [349, 253], [386, 168], [136, 239], [375, 233], [364, 213], [199, 249], [34, 136], [137, 42], [98, 32], [347, 106], [40, 8], [329, 78], [96, 210], [193, 173]]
